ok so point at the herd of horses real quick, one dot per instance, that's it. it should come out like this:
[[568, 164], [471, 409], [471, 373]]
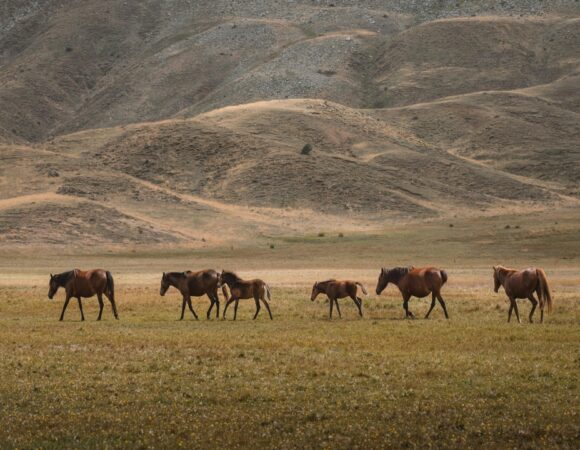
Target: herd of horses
[[411, 281]]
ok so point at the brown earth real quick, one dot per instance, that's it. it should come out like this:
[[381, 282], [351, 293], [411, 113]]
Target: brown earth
[[183, 122]]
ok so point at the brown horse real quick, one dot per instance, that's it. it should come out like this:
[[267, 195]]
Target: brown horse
[[78, 283], [335, 289], [522, 284], [194, 284], [242, 289], [415, 282]]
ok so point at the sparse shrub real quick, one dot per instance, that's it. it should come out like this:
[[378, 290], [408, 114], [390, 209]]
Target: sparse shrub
[[507, 227], [517, 226], [272, 246], [306, 149], [340, 235], [450, 225], [320, 234], [68, 49], [327, 72]]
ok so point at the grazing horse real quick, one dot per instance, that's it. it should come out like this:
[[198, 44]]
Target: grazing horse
[[78, 283], [335, 289], [196, 284], [417, 282], [242, 289], [522, 284]]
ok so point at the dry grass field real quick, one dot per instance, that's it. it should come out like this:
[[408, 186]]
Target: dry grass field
[[301, 380], [293, 141]]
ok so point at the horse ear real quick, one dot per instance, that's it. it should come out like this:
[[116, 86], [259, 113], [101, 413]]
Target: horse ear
[[51, 276], [382, 270], [494, 268]]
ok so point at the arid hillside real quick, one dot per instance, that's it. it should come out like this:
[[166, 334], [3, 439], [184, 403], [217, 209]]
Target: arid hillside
[[156, 122]]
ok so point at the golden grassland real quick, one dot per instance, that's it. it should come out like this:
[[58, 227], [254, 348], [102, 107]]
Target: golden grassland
[[298, 381], [301, 380]]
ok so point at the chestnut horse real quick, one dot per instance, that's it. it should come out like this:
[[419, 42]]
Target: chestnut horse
[[522, 284], [194, 284], [79, 283], [242, 289], [415, 282], [335, 289]]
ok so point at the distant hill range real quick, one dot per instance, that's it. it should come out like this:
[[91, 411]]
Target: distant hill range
[[156, 122]]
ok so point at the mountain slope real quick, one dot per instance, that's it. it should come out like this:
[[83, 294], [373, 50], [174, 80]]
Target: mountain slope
[[151, 122]]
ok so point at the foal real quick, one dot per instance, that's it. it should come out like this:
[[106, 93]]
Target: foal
[[417, 282], [196, 284], [242, 289], [78, 283], [335, 289], [523, 284]]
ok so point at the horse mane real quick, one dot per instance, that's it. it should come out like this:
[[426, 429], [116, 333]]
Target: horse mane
[[325, 282], [396, 273], [62, 278], [233, 275], [176, 274], [501, 268]]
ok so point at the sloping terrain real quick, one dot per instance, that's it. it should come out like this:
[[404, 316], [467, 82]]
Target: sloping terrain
[[183, 121]]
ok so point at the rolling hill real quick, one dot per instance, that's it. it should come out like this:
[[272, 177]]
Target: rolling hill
[[154, 123]]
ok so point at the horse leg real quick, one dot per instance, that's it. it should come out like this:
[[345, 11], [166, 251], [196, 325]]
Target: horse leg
[[432, 305], [534, 304], [257, 300], [101, 305], [442, 303], [183, 308], [211, 302], [113, 305], [357, 301], [542, 313], [516, 309], [268, 308], [331, 300], [408, 314], [510, 311], [81, 308], [191, 308], [228, 304], [64, 307], [236, 308], [217, 306], [337, 308]]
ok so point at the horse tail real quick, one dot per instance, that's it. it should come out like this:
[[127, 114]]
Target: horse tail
[[362, 287], [267, 288], [225, 292], [443, 276], [544, 288], [110, 286]]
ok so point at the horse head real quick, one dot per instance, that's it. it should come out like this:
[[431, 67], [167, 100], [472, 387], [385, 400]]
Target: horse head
[[164, 284], [383, 280], [496, 279], [223, 278], [53, 286], [315, 291]]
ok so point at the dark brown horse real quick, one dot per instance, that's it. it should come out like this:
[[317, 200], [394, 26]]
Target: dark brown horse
[[242, 289], [194, 284], [523, 284], [78, 283], [335, 289], [415, 282]]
